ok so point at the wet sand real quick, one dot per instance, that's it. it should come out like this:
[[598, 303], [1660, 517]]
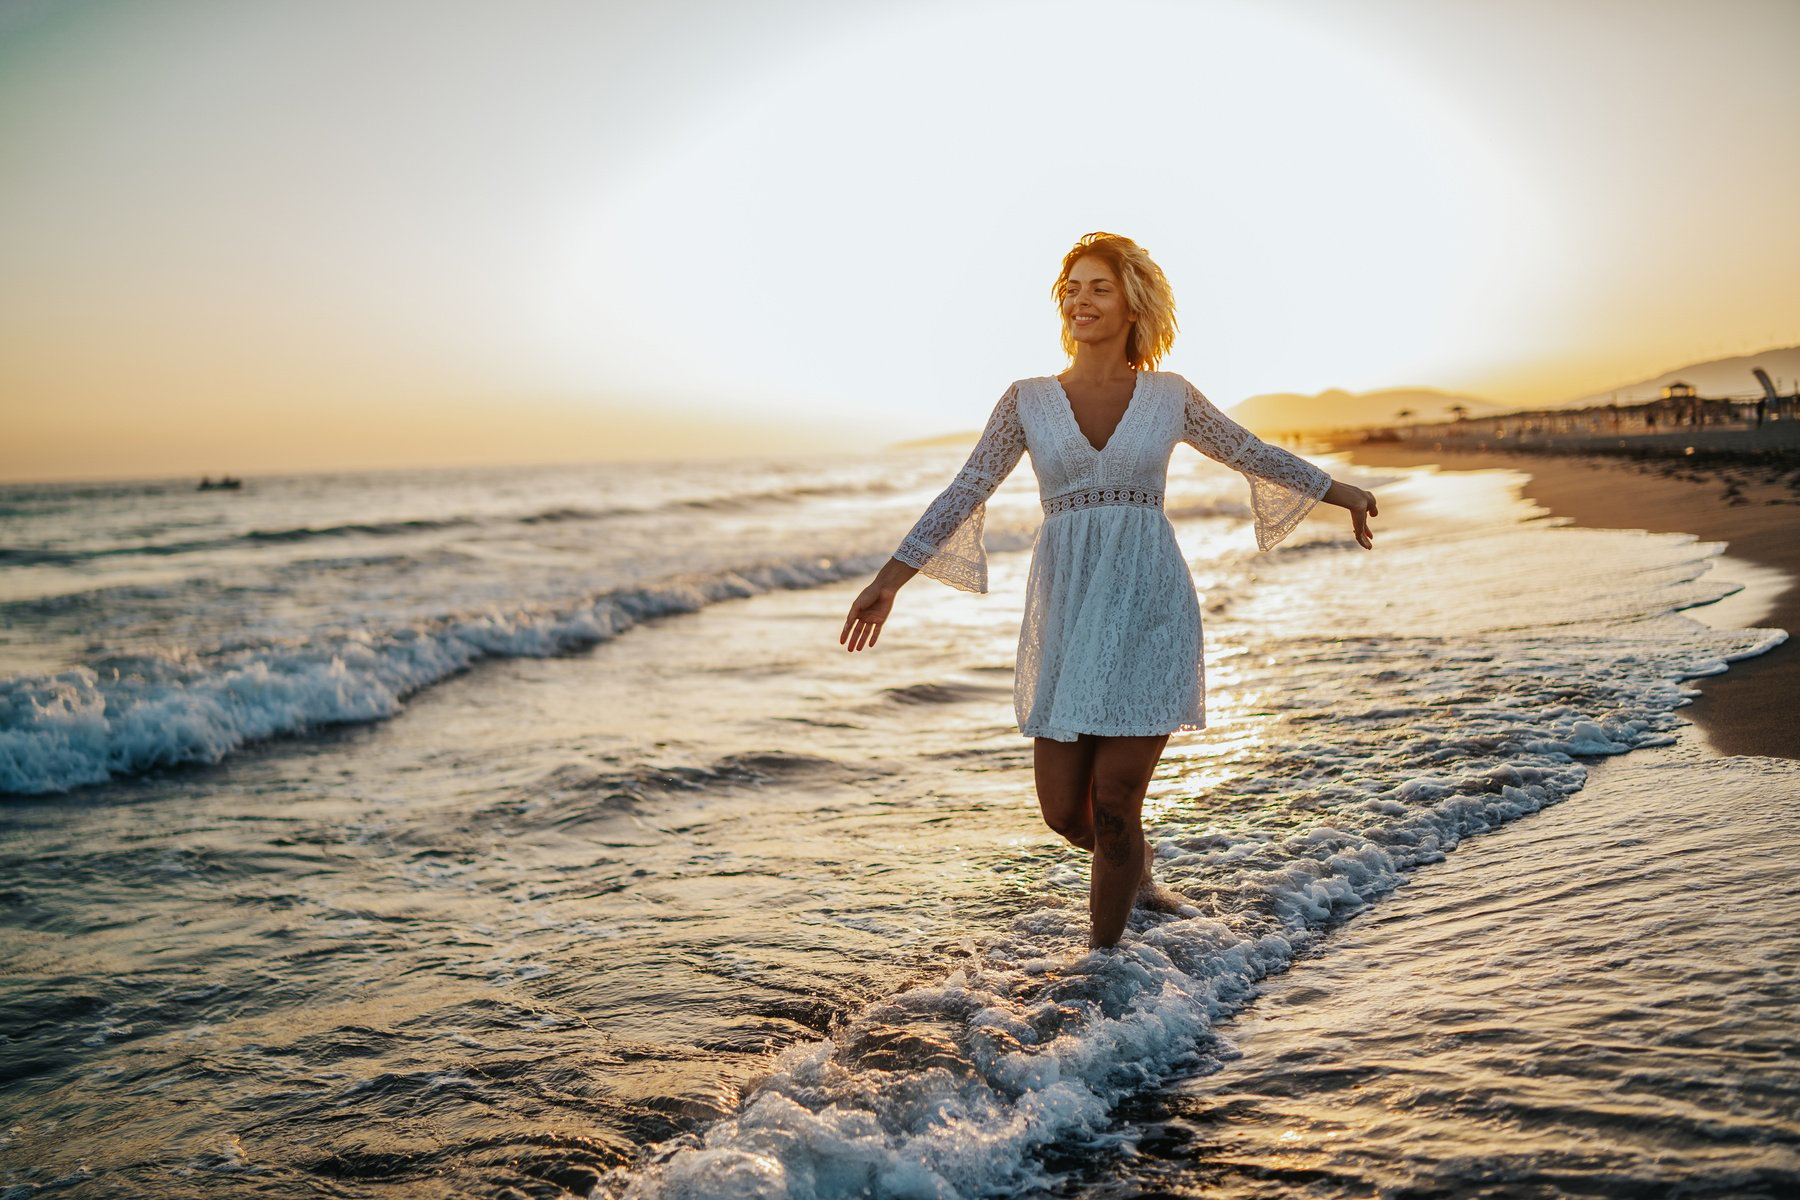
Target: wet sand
[[1750, 709]]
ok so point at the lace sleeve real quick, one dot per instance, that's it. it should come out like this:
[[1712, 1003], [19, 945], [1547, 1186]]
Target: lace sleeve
[[946, 543], [1283, 486]]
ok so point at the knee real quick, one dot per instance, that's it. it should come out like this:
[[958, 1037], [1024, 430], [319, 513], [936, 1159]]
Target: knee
[[1072, 826], [1117, 804], [1115, 824]]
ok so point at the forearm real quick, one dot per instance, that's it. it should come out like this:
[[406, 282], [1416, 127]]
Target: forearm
[[893, 573], [1343, 495]]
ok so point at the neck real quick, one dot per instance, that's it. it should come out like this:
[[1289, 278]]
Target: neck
[[1101, 361]]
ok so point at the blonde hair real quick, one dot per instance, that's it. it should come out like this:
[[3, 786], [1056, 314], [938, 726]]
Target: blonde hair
[[1147, 295]]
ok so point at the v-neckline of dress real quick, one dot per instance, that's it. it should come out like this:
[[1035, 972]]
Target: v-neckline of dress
[[1068, 405]]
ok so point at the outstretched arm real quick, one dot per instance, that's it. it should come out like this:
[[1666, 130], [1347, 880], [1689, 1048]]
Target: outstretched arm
[[1283, 486], [946, 542]]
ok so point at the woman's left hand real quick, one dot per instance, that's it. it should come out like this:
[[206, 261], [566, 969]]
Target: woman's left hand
[[1361, 504]]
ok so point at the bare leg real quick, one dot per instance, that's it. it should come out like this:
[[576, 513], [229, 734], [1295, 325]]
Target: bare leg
[[1065, 786], [1121, 773]]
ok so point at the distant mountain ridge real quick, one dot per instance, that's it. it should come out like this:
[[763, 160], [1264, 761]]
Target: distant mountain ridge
[[1289, 412]]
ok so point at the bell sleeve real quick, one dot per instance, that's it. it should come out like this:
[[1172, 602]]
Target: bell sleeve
[[946, 542], [1283, 486]]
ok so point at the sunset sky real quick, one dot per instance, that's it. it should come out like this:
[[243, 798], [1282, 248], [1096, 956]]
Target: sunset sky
[[242, 235]]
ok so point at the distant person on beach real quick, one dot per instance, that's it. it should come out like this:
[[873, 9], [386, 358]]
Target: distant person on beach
[[1109, 653]]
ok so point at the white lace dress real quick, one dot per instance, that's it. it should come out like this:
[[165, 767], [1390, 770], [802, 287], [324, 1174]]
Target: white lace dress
[[1110, 642]]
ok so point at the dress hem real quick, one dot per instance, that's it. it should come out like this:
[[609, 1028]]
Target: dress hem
[[1071, 735]]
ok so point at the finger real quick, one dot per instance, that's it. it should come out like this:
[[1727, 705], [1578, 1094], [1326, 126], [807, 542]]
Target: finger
[[856, 639], [875, 636], [845, 635]]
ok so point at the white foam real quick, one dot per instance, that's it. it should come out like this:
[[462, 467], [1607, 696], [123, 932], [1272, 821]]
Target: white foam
[[88, 725], [1032, 1047]]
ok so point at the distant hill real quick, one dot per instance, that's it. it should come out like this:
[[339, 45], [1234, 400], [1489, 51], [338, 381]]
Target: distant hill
[[1289, 412], [967, 437], [1720, 378]]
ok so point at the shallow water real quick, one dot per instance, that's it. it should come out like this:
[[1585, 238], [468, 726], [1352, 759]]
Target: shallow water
[[1597, 1000], [711, 908]]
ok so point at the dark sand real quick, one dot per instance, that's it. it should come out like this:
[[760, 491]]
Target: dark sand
[[1755, 707]]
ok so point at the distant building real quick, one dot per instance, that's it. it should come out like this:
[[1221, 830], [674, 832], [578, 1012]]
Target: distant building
[[1678, 391]]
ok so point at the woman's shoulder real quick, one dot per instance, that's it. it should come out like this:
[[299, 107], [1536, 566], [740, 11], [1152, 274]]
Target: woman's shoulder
[[1177, 386], [1019, 394], [1029, 386]]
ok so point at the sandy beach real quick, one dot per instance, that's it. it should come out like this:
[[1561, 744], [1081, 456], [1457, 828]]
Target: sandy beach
[[1755, 510]]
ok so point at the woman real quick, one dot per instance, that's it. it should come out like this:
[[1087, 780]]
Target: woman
[[1109, 652]]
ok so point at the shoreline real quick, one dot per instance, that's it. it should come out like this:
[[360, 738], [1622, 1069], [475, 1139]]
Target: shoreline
[[1750, 709]]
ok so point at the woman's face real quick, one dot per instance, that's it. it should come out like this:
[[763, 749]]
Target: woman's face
[[1093, 303]]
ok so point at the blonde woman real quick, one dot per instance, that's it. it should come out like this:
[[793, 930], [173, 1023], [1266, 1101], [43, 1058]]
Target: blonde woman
[[1109, 652]]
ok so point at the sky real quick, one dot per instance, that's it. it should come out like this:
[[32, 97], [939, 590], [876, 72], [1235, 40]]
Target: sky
[[250, 235]]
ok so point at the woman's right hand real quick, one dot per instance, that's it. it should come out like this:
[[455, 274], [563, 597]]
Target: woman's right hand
[[867, 613]]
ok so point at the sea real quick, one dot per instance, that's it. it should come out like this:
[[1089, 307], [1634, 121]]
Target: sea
[[525, 832]]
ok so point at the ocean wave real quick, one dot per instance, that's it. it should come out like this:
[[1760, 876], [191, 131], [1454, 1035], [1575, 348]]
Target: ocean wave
[[49, 557], [943, 693], [580, 792], [45, 555], [958, 1088], [552, 516], [740, 500], [91, 724]]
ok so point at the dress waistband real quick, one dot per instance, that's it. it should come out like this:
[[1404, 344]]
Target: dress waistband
[[1095, 497]]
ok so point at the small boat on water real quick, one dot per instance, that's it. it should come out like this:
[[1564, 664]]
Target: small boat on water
[[225, 483]]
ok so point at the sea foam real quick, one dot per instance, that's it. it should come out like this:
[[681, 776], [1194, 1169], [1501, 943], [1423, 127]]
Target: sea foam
[[958, 1089], [90, 724]]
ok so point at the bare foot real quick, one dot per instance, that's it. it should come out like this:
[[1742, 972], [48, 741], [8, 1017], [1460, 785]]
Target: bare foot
[[1153, 895], [1157, 898]]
